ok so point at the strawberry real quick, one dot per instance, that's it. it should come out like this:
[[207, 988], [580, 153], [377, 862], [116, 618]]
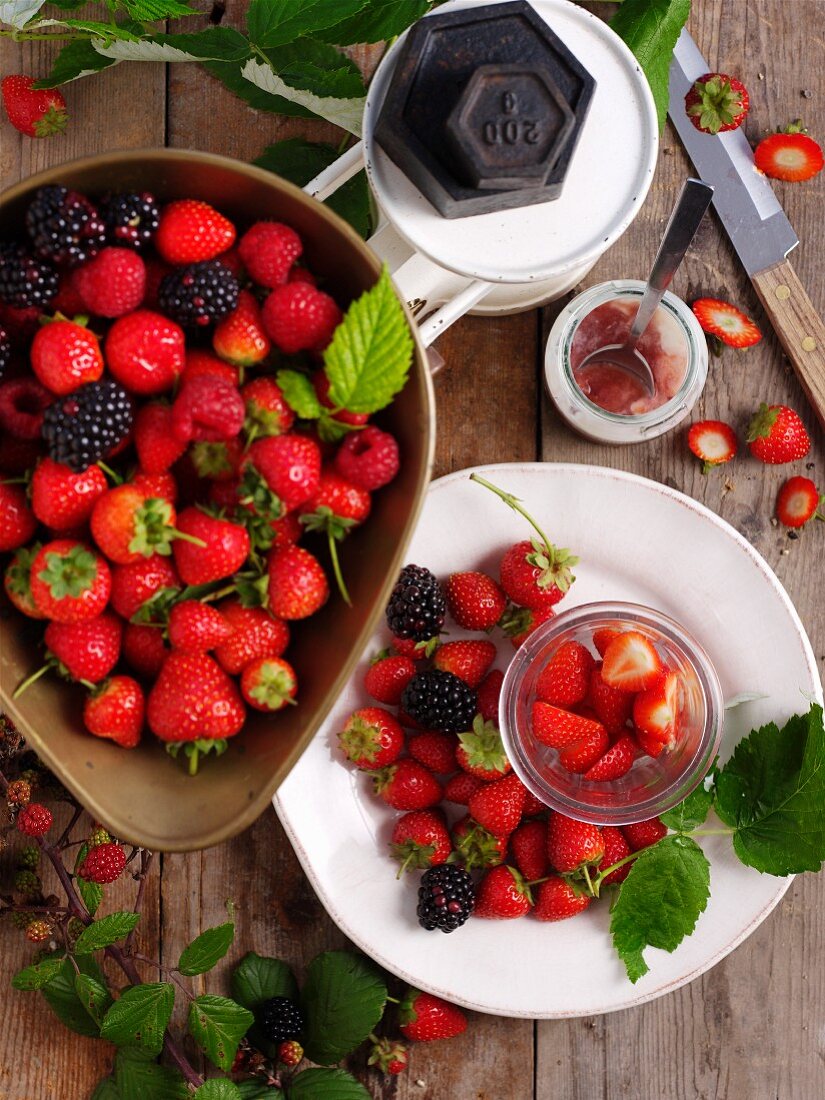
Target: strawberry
[[533, 805], [145, 351], [409, 647], [297, 583], [643, 834], [191, 231], [70, 583], [337, 498], [240, 338], [407, 785], [268, 251], [725, 321], [218, 461], [650, 745], [474, 600], [144, 649], [535, 574], [460, 787], [320, 382], [86, 650], [603, 636], [481, 752], [36, 113], [559, 729], [717, 103], [156, 444], [573, 845], [791, 156], [133, 585], [62, 499], [519, 622], [104, 863], [631, 663], [65, 355], [434, 750], [299, 317], [656, 711], [368, 458], [196, 627], [424, 1017], [712, 441], [419, 840], [193, 700], [776, 434], [17, 580], [255, 633], [17, 520], [615, 849], [290, 466], [528, 846], [387, 677], [565, 678], [34, 819], [557, 899], [583, 754], [208, 409], [115, 710], [498, 805], [489, 692], [267, 412], [612, 706], [225, 549], [469, 659], [112, 283], [200, 362], [797, 502], [371, 738], [269, 684], [127, 526], [615, 762], [502, 894], [159, 486]]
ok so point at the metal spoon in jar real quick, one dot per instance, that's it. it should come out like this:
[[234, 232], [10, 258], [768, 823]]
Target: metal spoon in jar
[[690, 208]]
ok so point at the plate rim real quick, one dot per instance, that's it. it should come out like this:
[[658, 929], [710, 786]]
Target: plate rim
[[676, 495]]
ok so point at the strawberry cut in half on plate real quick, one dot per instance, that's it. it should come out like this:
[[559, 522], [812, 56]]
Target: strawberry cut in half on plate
[[713, 441], [730, 324], [631, 662]]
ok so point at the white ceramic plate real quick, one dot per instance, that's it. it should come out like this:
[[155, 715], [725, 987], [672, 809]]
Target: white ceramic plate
[[638, 541]]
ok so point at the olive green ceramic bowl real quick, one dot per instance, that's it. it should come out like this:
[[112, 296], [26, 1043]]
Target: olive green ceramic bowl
[[144, 796]]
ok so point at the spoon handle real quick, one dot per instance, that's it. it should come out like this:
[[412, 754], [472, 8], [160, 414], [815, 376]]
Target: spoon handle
[[690, 208]]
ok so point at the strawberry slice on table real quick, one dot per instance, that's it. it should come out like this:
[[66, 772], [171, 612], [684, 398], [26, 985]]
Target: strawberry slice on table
[[713, 441], [776, 434], [792, 156], [565, 678], [503, 894], [559, 729], [631, 662], [717, 103], [730, 324], [656, 711], [798, 501]]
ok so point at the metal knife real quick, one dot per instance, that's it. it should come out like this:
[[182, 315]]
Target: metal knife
[[756, 225]]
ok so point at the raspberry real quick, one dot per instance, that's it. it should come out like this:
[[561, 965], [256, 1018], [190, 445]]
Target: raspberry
[[388, 1056], [34, 820], [87, 425], [207, 408], [290, 1053], [19, 793], [28, 884], [38, 931], [131, 220], [64, 226], [103, 864], [268, 250], [298, 317], [368, 458], [22, 402], [199, 294], [111, 284], [25, 281]]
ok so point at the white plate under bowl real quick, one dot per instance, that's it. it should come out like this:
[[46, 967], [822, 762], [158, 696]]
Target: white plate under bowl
[[639, 541]]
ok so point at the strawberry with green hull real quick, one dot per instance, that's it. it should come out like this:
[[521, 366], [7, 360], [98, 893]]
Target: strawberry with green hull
[[136, 587], [371, 738], [267, 411], [717, 103], [62, 499], [419, 840], [287, 467], [70, 583], [481, 752], [503, 894], [777, 435], [407, 785], [469, 659], [88, 650], [213, 549], [116, 710], [424, 1018], [798, 502], [573, 846], [35, 112], [789, 155], [127, 525], [476, 846], [334, 509], [518, 623], [269, 684], [17, 581], [713, 442], [388, 1056], [298, 586], [498, 805]]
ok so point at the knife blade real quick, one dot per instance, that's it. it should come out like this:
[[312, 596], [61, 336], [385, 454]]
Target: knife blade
[[756, 224]]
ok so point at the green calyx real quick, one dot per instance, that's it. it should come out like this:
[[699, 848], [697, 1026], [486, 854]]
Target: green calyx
[[261, 422], [477, 847], [412, 855], [53, 121], [211, 459], [483, 746], [719, 104], [194, 750], [71, 574], [406, 1007], [155, 610], [275, 686], [254, 490], [515, 621], [153, 531], [18, 574], [360, 741], [762, 423]]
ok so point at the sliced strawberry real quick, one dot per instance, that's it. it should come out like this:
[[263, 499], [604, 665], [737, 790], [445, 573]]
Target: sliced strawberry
[[792, 157], [798, 501], [616, 762], [656, 711], [559, 728], [730, 324], [649, 744], [613, 706], [603, 637], [583, 755], [631, 662], [713, 441]]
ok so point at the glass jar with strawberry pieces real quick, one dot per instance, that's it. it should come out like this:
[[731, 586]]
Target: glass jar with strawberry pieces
[[611, 713]]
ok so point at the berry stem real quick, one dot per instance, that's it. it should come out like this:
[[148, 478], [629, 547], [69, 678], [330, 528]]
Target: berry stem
[[110, 473], [609, 870], [64, 836], [336, 569], [586, 873], [175, 534], [27, 683], [515, 504]]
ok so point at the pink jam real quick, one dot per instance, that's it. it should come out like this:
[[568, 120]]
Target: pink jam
[[663, 346]]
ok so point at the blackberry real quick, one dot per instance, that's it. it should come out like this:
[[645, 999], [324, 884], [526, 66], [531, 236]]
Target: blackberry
[[88, 424], [5, 351], [24, 280], [199, 293], [416, 607], [281, 1019], [440, 701], [446, 898], [131, 220], [64, 226]]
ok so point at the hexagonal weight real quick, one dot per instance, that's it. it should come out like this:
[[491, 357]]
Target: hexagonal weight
[[509, 127]]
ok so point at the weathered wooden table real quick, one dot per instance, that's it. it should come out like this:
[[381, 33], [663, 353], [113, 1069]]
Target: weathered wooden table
[[753, 1026]]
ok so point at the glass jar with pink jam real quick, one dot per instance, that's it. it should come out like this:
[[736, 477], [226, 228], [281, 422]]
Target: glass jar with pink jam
[[605, 403]]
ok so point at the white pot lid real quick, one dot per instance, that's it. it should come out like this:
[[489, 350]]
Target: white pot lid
[[606, 183]]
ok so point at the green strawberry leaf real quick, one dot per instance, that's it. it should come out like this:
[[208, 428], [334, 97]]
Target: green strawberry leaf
[[660, 900], [276, 22], [326, 1084], [106, 931], [345, 111], [140, 1017], [217, 1025], [93, 995], [206, 950], [62, 998], [650, 28], [368, 360], [692, 812], [219, 1088], [36, 976], [772, 793], [151, 11], [137, 1076], [75, 60], [379, 21], [106, 1090], [343, 999], [299, 394], [104, 32]]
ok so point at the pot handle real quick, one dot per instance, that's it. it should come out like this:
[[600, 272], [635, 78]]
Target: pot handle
[[415, 276]]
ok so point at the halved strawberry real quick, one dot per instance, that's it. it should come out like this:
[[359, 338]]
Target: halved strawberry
[[581, 756], [603, 637], [656, 711], [798, 501], [790, 156], [713, 441], [614, 763], [631, 662], [564, 679], [612, 705], [727, 322], [561, 728]]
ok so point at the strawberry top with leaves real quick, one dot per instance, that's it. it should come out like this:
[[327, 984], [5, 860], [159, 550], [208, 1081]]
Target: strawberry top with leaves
[[420, 839], [34, 112], [371, 738], [535, 574], [69, 581], [776, 435], [717, 103], [481, 751]]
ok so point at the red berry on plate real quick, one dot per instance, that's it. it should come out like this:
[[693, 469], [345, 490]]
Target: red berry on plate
[[368, 458], [17, 520], [614, 762], [255, 633], [498, 805], [459, 788], [207, 409], [387, 677], [643, 834], [797, 502], [502, 894], [196, 627], [87, 650], [225, 551], [22, 404], [631, 662], [112, 283], [70, 583], [656, 711], [776, 434], [434, 750], [371, 738], [407, 785], [104, 863], [298, 317], [34, 112], [559, 728], [65, 355], [145, 351], [419, 840], [489, 692], [712, 441], [616, 848], [717, 103], [116, 710], [481, 751], [572, 845], [528, 846], [135, 584], [535, 574], [269, 683], [298, 586], [267, 412], [725, 321], [191, 231], [790, 156], [34, 820], [268, 251], [518, 623], [424, 1017], [474, 600], [193, 699], [557, 899], [240, 337], [565, 678], [469, 659]]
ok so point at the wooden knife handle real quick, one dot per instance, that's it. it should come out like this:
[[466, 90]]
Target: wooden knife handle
[[800, 329]]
